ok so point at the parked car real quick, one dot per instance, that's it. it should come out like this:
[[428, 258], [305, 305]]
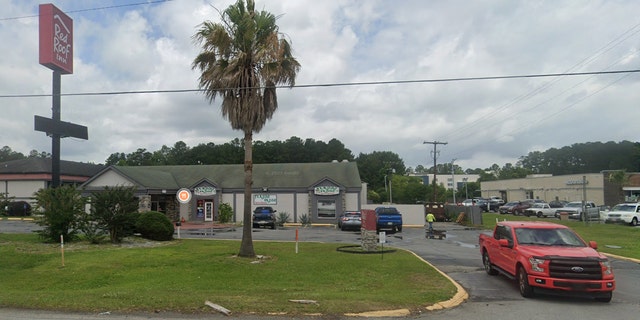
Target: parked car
[[558, 203], [350, 220], [468, 202], [624, 213], [17, 208], [264, 217], [540, 210], [507, 207], [487, 205], [496, 199], [515, 207]]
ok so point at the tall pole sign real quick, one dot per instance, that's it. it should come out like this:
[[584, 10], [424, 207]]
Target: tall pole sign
[[56, 39], [56, 53]]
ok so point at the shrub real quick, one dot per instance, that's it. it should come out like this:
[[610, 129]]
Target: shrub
[[60, 208], [305, 220], [115, 209], [92, 231], [154, 225], [225, 212], [282, 218]]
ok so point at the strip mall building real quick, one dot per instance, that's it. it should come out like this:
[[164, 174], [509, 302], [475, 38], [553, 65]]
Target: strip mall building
[[596, 187], [320, 191]]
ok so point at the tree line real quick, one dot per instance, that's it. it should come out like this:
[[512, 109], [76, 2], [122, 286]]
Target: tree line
[[382, 169]]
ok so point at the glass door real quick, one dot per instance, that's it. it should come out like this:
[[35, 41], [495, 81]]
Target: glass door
[[208, 211]]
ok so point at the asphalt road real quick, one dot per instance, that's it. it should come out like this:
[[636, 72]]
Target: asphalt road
[[457, 255]]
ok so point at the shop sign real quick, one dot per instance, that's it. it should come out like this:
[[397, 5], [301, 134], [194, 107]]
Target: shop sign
[[576, 182], [184, 195], [204, 191], [265, 199], [56, 39], [326, 190]]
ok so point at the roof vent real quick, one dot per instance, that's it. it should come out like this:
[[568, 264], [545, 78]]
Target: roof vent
[[334, 161], [345, 161]]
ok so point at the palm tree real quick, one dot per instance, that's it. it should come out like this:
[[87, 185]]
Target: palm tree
[[243, 59]]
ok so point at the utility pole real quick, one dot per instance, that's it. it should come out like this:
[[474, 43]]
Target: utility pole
[[453, 181], [435, 171]]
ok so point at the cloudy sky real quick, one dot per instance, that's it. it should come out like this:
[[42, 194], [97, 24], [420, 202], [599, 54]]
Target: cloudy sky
[[133, 45]]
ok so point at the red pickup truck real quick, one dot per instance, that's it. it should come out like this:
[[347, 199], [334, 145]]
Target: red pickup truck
[[547, 257]]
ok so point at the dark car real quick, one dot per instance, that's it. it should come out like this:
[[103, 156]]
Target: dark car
[[18, 209], [350, 220], [487, 205], [264, 217], [558, 203], [515, 207]]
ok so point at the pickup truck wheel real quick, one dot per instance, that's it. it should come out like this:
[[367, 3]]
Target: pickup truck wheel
[[488, 267], [539, 214], [399, 228], [526, 290], [634, 221], [605, 297]]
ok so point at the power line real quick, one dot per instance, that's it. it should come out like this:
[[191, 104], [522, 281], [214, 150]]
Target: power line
[[339, 84], [91, 9]]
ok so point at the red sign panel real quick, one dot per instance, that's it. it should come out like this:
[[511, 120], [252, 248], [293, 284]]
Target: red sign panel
[[56, 39]]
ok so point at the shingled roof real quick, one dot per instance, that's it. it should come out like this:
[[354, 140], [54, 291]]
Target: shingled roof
[[43, 165], [281, 175]]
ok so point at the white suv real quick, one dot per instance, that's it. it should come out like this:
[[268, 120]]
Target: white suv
[[625, 212]]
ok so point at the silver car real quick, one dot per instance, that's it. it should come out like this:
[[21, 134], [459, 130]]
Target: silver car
[[350, 220]]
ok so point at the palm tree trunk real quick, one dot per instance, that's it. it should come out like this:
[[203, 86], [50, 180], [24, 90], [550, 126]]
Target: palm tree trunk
[[246, 247]]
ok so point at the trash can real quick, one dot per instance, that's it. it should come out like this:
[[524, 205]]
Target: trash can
[[564, 216]]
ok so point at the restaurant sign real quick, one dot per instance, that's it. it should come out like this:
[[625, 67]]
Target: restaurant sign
[[265, 199], [326, 190], [56, 39], [204, 191]]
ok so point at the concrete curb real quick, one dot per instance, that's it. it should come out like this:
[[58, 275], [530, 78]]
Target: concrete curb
[[621, 257], [457, 299]]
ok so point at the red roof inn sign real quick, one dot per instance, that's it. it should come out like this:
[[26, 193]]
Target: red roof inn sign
[[56, 39]]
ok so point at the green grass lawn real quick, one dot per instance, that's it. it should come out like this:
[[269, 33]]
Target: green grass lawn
[[179, 276], [617, 239]]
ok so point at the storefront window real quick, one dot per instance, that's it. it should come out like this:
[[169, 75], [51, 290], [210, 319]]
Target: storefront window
[[327, 209], [159, 206]]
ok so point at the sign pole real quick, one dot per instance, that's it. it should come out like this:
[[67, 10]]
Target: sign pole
[[56, 53], [55, 137], [62, 248]]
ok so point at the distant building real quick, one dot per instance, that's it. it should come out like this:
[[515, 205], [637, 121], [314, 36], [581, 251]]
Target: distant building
[[20, 179], [596, 186], [448, 180], [320, 191]]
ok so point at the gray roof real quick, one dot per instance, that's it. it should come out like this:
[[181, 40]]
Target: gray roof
[[43, 165], [231, 176]]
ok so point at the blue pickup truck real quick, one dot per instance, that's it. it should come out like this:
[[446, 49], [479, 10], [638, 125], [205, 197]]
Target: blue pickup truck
[[388, 218]]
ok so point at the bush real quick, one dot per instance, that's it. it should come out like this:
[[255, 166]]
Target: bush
[[92, 231], [154, 225], [282, 218], [225, 212], [116, 210], [305, 220], [60, 208]]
